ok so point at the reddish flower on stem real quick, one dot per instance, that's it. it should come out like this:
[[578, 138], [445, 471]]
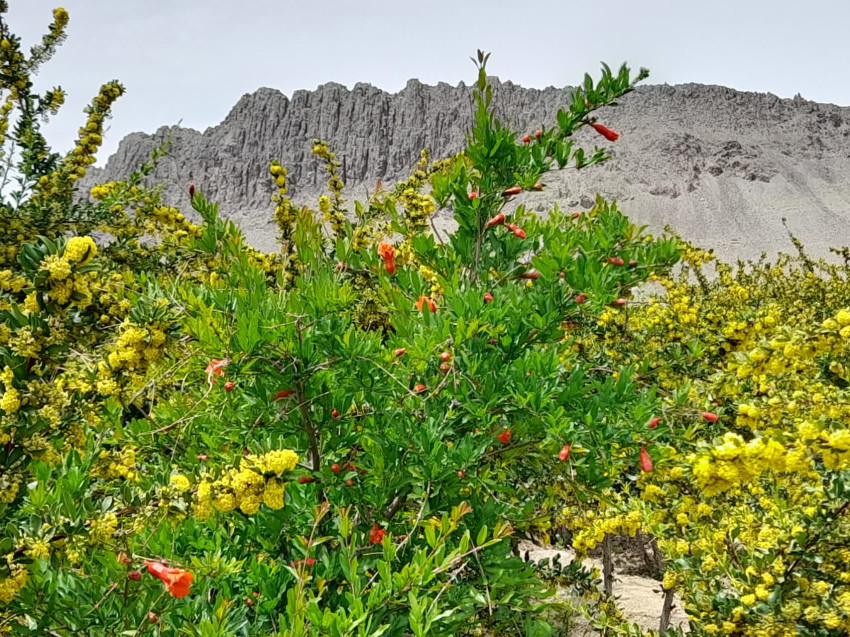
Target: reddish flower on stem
[[203, 456], [519, 232], [177, 581], [283, 393], [445, 367], [216, 367], [334, 414], [419, 388], [423, 300], [229, 386], [581, 297], [473, 194], [376, 534], [564, 454], [531, 274], [645, 460], [619, 303], [505, 436], [336, 468], [153, 617], [526, 139], [134, 575], [495, 221], [400, 351], [191, 190], [488, 298], [606, 132], [538, 134], [445, 356], [654, 422], [710, 416], [510, 192], [307, 561], [306, 479], [461, 474], [538, 186], [349, 483], [616, 261], [387, 253], [576, 215]]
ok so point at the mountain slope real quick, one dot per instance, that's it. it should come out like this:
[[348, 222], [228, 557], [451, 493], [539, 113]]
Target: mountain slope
[[722, 167]]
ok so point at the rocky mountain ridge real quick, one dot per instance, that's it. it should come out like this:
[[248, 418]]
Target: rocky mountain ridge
[[723, 167]]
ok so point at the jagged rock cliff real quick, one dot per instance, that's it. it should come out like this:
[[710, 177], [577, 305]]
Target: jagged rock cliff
[[723, 167]]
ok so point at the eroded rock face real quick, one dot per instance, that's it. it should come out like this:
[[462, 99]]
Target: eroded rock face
[[722, 167]]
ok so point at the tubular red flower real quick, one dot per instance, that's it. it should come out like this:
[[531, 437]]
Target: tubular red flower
[[564, 454], [387, 253], [177, 581], [505, 436], [645, 460], [654, 422], [495, 221], [376, 534], [423, 300], [606, 132]]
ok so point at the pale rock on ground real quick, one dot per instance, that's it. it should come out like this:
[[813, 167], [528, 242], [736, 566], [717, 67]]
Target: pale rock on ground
[[723, 167], [640, 598]]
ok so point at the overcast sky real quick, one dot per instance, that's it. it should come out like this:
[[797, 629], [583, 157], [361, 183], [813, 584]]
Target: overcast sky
[[191, 60]]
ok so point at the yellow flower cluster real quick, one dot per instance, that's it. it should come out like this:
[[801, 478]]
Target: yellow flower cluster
[[136, 348], [257, 481], [117, 464]]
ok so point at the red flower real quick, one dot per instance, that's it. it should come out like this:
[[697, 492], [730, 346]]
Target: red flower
[[283, 393], [488, 298], [307, 561], [177, 581], [495, 221], [445, 367], [526, 139], [419, 388], [564, 454], [336, 468], [461, 474], [423, 300], [446, 357], [531, 274], [645, 460], [216, 367], [654, 422], [616, 261], [519, 232], [153, 617], [510, 192], [538, 134], [473, 194], [334, 414], [191, 190], [387, 253], [576, 215], [306, 479], [505, 436], [710, 416], [376, 534], [606, 132], [581, 297], [538, 186], [619, 303], [400, 351], [134, 575], [229, 386], [123, 559]]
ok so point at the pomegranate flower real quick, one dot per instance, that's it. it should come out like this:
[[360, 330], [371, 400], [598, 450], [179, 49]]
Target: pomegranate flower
[[426, 300], [376, 534], [387, 253], [606, 132], [645, 460], [216, 367], [177, 581]]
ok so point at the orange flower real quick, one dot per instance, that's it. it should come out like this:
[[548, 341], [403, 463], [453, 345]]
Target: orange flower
[[216, 368], [426, 299], [606, 132], [376, 534], [387, 253], [177, 581], [645, 460]]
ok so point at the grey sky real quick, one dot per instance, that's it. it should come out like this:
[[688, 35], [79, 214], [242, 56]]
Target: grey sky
[[191, 60]]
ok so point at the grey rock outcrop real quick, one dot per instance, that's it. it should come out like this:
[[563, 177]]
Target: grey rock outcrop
[[722, 167]]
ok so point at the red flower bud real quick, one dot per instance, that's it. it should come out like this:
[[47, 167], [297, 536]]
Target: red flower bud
[[334, 414], [581, 297], [134, 575], [446, 356], [576, 215], [336, 468], [419, 388], [473, 195], [710, 416], [445, 367], [510, 192], [531, 274], [203, 456], [495, 221], [306, 479], [461, 474], [191, 190], [399, 352], [349, 483], [423, 300], [538, 186], [645, 460], [526, 139], [619, 303], [505, 436], [249, 601], [488, 298], [538, 134], [653, 424], [153, 617], [229, 386], [606, 132], [283, 393], [564, 454], [616, 261]]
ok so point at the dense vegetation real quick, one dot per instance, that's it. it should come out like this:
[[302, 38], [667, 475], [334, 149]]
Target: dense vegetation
[[348, 436]]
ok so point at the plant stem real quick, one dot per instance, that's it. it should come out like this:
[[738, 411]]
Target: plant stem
[[607, 567]]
